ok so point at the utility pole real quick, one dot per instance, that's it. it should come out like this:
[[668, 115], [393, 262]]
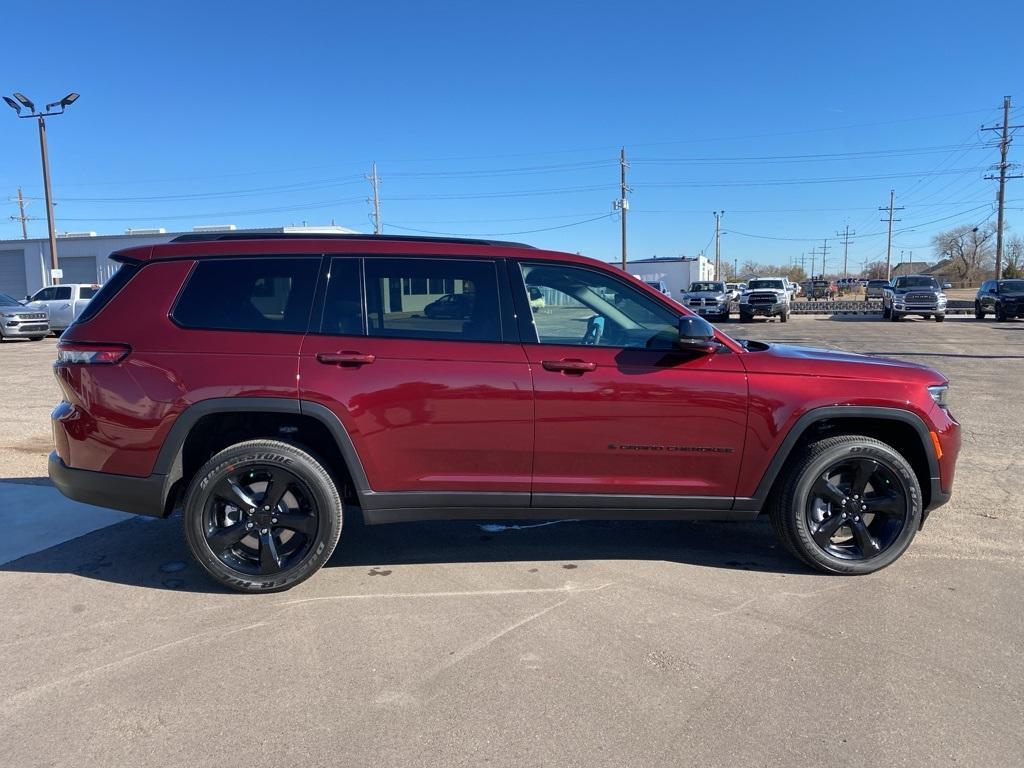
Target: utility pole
[[824, 252], [718, 243], [735, 268], [22, 217], [1003, 167], [814, 252], [374, 180], [845, 234], [622, 204], [888, 247]]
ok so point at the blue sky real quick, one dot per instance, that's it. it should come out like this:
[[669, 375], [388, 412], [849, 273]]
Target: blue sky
[[506, 119]]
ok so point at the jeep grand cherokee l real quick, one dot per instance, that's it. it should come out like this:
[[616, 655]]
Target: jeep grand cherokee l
[[267, 386]]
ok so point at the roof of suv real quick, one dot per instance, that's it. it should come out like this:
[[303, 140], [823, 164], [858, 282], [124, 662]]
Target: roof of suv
[[279, 243]]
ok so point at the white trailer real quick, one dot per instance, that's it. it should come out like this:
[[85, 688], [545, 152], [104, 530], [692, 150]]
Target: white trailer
[[677, 273]]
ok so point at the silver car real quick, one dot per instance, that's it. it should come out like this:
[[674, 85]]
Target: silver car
[[21, 322]]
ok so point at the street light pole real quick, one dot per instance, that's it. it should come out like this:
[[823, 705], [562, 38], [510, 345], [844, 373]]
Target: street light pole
[[19, 101], [49, 199]]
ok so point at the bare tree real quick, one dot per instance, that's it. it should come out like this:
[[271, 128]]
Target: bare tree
[[875, 270], [1013, 255], [969, 251]]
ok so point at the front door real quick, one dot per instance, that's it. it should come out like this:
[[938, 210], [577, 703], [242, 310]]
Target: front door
[[621, 412], [429, 381]]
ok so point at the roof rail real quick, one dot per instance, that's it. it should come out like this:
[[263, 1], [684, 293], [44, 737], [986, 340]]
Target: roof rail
[[206, 237]]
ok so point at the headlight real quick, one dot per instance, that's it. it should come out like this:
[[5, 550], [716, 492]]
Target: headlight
[[940, 394]]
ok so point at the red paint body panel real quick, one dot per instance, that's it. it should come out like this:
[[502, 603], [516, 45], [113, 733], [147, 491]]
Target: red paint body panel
[[642, 422], [429, 415]]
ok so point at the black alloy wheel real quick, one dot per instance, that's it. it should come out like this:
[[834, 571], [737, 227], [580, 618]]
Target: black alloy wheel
[[857, 509], [260, 519], [262, 516]]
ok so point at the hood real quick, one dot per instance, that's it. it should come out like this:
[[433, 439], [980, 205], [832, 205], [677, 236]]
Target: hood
[[22, 309], [809, 361]]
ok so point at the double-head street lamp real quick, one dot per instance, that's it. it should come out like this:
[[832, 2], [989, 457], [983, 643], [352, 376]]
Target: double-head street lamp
[[19, 101]]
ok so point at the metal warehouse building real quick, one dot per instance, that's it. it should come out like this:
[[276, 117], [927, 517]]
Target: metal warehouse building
[[25, 264]]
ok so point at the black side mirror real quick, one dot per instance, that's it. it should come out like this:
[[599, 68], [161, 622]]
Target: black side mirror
[[696, 335]]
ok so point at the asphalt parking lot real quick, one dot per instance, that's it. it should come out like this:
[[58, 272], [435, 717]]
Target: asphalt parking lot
[[591, 644]]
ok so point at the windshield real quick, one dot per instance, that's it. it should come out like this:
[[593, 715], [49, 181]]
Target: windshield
[[7, 301], [916, 282], [772, 284], [1011, 286], [697, 287]]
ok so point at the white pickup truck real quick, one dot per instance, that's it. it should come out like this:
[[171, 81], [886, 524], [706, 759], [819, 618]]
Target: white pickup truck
[[65, 303]]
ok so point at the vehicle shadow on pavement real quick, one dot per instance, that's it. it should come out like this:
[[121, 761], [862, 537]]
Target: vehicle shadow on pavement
[[151, 553]]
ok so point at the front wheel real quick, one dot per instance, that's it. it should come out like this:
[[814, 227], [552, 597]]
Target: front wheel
[[849, 505], [940, 318], [745, 317], [979, 313], [1000, 315], [895, 316], [262, 516], [784, 317], [886, 312]]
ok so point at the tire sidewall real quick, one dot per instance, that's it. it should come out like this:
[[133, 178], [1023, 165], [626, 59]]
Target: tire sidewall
[[299, 463], [801, 491]]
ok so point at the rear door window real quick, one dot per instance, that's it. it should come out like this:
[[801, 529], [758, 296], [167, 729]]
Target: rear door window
[[249, 294], [424, 298]]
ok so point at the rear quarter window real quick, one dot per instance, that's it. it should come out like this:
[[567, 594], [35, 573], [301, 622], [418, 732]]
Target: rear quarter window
[[108, 290], [249, 294]]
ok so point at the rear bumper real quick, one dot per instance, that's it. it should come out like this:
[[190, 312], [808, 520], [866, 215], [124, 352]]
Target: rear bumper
[[138, 495]]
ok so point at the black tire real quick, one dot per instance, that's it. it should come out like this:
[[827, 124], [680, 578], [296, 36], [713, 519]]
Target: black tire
[[979, 313], [36, 338], [886, 312], [895, 316], [940, 318], [784, 317], [745, 318], [792, 507], [1000, 315], [247, 563]]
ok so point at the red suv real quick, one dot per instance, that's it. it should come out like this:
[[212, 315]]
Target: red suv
[[266, 384]]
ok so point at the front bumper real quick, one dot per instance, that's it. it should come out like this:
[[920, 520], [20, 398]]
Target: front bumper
[[709, 309], [18, 328], [764, 310], [138, 495]]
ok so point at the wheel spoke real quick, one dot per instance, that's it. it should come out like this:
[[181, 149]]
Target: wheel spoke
[[277, 487], [867, 543], [824, 489], [298, 522], [225, 538], [270, 562], [231, 492], [889, 504], [827, 529], [863, 470]]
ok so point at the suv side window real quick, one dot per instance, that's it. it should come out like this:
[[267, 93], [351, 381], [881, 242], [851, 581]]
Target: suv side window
[[586, 307], [249, 294], [445, 299], [343, 305]]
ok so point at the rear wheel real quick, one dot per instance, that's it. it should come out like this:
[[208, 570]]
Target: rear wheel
[[262, 516], [849, 505]]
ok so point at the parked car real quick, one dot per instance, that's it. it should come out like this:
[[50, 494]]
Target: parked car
[[269, 394], [537, 299], [63, 302], [734, 290], [1003, 298], [825, 290], [795, 289], [874, 289], [20, 322], [660, 286], [708, 297], [452, 306], [914, 295], [765, 297]]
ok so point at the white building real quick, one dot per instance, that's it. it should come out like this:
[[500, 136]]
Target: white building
[[82, 256], [677, 273]]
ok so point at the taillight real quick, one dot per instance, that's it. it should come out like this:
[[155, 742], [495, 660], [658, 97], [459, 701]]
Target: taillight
[[91, 354]]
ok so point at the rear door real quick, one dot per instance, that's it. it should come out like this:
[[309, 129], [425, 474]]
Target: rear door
[[438, 402], [623, 417]]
